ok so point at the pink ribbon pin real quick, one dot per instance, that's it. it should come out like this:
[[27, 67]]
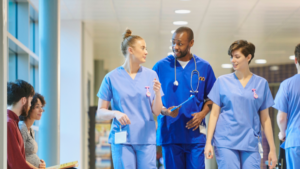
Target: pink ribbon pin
[[254, 93], [148, 93]]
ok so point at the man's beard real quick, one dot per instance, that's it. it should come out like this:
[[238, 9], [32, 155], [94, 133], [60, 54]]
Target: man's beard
[[25, 109], [183, 54]]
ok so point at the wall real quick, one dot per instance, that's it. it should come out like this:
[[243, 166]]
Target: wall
[[71, 92], [87, 87]]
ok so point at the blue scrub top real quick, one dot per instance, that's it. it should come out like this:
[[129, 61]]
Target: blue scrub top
[[238, 126], [288, 100], [173, 130], [128, 96]]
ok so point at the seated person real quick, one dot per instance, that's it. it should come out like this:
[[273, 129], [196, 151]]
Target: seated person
[[31, 147], [19, 96]]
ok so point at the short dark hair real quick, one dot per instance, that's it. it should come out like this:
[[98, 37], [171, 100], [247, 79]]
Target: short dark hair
[[188, 30], [33, 103], [246, 48], [18, 89], [297, 53]]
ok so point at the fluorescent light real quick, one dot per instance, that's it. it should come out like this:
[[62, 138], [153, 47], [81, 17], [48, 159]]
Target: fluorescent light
[[170, 47], [172, 31], [171, 40], [182, 11], [260, 61], [226, 66], [170, 53], [180, 23], [292, 57], [274, 68]]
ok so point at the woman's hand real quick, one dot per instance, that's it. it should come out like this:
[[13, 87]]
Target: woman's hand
[[122, 118], [272, 159], [156, 86], [42, 164], [209, 151]]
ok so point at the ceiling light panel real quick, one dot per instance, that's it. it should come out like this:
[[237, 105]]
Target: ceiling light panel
[[226, 66], [260, 61], [182, 11], [180, 23]]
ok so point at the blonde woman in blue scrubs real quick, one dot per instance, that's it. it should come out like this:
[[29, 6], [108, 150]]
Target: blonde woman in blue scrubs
[[241, 102], [135, 95]]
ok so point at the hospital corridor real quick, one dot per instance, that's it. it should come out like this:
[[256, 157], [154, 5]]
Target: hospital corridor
[[150, 84]]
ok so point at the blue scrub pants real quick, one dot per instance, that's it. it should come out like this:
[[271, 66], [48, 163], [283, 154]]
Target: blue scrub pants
[[183, 156], [236, 159], [140, 156], [292, 156]]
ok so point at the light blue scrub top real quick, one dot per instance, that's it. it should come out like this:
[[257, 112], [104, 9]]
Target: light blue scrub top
[[173, 130], [129, 96], [238, 126], [288, 100]]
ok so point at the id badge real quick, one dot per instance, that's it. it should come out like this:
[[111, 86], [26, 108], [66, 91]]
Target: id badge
[[120, 137], [260, 150], [202, 129]]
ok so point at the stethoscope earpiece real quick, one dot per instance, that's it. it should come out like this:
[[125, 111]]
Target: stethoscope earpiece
[[175, 83]]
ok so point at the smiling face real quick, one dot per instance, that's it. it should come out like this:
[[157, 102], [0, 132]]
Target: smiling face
[[239, 60], [181, 45], [37, 111], [138, 52]]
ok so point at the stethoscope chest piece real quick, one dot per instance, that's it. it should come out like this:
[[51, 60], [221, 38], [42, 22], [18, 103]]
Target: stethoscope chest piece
[[176, 83], [195, 71]]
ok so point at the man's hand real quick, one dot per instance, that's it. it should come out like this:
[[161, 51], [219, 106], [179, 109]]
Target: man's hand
[[196, 121], [173, 113], [168, 112]]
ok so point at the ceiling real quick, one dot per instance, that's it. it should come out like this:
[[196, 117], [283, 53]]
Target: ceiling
[[272, 25]]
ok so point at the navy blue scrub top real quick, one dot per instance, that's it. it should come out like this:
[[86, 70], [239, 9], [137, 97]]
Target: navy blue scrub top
[[173, 130]]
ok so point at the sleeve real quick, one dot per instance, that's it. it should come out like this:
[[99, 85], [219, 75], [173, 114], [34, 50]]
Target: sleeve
[[214, 94], [105, 91], [15, 159], [209, 82], [24, 135], [155, 68], [268, 98], [281, 99]]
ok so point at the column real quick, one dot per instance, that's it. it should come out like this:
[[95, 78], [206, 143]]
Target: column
[[71, 117], [3, 83], [49, 26]]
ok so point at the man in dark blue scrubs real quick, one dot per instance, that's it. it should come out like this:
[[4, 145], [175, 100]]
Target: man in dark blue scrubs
[[181, 76]]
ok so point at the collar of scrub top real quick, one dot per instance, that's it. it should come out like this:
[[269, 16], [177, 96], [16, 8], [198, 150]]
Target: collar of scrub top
[[148, 93], [194, 71], [254, 93]]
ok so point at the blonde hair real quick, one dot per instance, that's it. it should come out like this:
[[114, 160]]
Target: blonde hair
[[128, 40]]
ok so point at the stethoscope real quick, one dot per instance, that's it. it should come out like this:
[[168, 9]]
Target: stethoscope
[[194, 71]]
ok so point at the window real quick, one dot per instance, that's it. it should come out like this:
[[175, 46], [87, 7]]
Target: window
[[23, 60]]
